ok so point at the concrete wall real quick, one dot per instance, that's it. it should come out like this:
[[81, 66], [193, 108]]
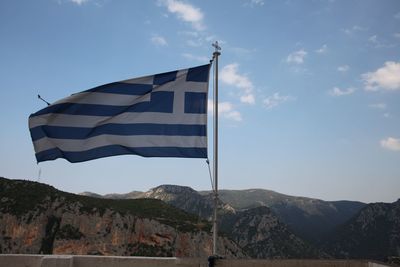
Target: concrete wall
[[292, 263], [95, 261], [8, 260]]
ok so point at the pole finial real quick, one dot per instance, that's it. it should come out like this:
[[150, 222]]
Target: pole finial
[[217, 48]]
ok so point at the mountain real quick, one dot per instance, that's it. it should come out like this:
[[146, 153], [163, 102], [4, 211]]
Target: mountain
[[374, 233], [311, 219], [262, 235], [267, 237], [182, 197], [36, 218]]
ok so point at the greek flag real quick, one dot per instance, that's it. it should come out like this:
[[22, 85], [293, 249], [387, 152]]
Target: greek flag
[[162, 115]]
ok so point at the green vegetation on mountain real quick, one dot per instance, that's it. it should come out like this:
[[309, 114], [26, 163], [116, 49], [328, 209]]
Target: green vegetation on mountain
[[373, 233], [19, 197], [311, 219]]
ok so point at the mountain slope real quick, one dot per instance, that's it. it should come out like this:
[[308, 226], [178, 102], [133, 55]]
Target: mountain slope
[[373, 233], [268, 237], [309, 218], [262, 235], [37, 218], [182, 197]]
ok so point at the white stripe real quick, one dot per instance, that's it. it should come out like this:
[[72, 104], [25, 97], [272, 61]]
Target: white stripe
[[68, 120], [73, 145], [196, 87], [99, 98]]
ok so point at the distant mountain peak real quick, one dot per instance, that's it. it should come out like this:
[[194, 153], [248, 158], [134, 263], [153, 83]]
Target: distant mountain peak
[[172, 189]]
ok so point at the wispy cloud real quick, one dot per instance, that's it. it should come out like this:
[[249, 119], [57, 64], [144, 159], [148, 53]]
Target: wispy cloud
[[276, 99], [354, 29], [254, 3], [391, 143], [231, 76], [297, 57], [378, 106], [384, 78], [336, 91], [79, 2], [198, 38], [322, 50], [397, 15], [396, 35], [158, 40], [377, 42], [192, 57], [186, 12], [225, 110], [343, 68]]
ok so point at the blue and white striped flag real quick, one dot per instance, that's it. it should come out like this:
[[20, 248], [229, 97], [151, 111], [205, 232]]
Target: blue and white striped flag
[[162, 115]]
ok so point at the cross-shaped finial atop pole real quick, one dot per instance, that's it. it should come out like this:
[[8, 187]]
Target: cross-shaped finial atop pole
[[217, 47]]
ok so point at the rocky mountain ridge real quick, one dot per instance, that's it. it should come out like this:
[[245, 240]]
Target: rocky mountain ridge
[[37, 218], [311, 219]]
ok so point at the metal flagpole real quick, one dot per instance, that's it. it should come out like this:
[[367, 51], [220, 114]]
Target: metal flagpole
[[215, 165]]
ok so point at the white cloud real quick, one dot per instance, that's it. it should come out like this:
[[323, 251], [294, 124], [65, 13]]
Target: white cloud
[[248, 99], [198, 38], [391, 143], [396, 35], [202, 59], [230, 75], [378, 106], [378, 42], [397, 16], [158, 40], [297, 57], [354, 29], [336, 91], [373, 39], [276, 99], [343, 68], [186, 12], [79, 2], [225, 110], [385, 78], [322, 50], [253, 3]]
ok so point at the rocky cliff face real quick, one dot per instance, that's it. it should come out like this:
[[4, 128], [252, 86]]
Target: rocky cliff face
[[311, 219], [374, 233], [35, 218], [262, 235], [184, 198]]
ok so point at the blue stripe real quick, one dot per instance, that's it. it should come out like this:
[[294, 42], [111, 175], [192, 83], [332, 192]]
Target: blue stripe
[[195, 103], [60, 132], [162, 78], [159, 102], [115, 150], [198, 74], [123, 88]]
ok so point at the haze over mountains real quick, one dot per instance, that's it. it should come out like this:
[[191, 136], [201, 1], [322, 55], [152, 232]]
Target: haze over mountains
[[171, 220]]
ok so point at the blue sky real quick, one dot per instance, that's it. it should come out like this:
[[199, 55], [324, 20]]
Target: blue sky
[[309, 90]]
